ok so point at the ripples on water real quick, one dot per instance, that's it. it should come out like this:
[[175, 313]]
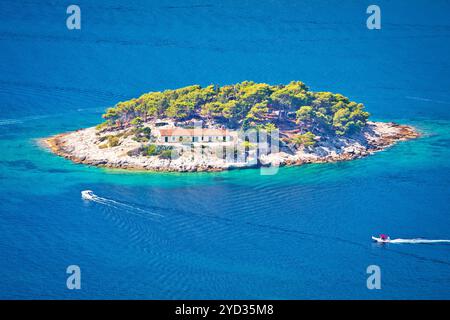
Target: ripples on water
[[301, 233]]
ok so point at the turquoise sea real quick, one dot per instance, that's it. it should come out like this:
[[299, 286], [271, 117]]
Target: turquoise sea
[[304, 233]]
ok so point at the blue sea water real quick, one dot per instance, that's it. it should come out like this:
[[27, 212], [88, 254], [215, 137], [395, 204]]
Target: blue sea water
[[300, 234]]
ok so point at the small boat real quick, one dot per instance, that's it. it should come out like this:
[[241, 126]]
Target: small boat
[[379, 239], [382, 238], [87, 194]]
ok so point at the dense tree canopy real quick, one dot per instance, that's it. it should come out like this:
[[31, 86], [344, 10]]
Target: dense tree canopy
[[247, 104]]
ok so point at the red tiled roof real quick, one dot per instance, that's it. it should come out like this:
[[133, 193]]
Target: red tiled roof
[[193, 132]]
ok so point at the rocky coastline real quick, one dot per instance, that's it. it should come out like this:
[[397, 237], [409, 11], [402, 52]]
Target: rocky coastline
[[82, 146]]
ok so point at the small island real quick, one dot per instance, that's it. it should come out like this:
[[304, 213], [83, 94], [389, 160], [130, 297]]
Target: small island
[[217, 128]]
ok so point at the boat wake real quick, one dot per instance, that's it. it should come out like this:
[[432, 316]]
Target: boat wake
[[88, 195], [418, 240], [411, 241]]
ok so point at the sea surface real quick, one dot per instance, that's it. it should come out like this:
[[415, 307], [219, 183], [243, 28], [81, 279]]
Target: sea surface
[[303, 233]]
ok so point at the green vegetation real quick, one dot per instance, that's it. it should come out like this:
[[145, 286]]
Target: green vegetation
[[101, 126], [166, 154], [142, 134], [248, 145], [246, 105], [307, 139], [137, 121], [113, 141], [150, 150], [110, 141], [268, 127], [163, 152]]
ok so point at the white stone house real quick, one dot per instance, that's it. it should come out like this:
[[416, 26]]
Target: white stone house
[[180, 135]]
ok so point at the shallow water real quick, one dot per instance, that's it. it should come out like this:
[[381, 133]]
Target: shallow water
[[302, 233]]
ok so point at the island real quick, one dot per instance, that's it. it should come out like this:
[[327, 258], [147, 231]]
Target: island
[[216, 128]]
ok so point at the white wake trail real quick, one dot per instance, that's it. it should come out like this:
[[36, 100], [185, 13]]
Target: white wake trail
[[418, 241], [89, 195]]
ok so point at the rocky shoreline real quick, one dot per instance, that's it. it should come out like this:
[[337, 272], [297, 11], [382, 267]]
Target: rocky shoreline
[[82, 146]]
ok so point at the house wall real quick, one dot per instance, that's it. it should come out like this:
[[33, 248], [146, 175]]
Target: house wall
[[175, 139]]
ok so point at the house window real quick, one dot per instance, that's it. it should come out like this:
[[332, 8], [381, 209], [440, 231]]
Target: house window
[[166, 139], [224, 139]]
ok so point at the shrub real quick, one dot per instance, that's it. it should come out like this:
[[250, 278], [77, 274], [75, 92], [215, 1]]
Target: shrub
[[156, 150], [248, 145], [307, 139], [128, 133], [113, 141], [101, 126], [268, 127], [134, 152], [136, 121], [142, 134], [150, 150], [147, 131], [166, 154]]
